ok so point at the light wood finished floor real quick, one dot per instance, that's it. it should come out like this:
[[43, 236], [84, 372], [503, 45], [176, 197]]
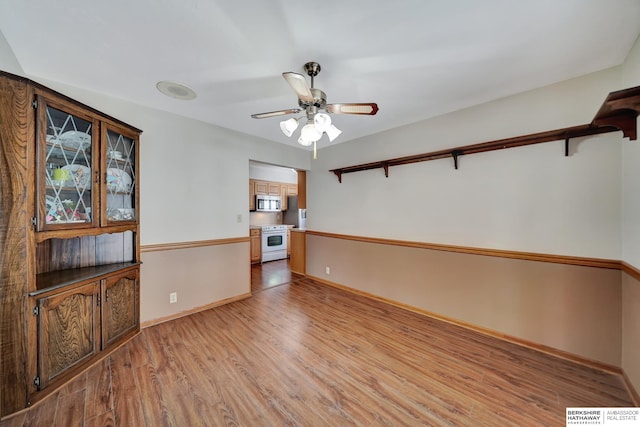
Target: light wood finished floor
[[270, 274], [305, 354]]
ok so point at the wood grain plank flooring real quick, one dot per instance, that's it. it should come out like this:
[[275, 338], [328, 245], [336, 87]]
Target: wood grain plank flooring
[[299, 353]]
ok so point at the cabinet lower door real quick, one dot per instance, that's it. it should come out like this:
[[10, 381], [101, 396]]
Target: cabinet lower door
[[256, 249], [120, 308], [68, 330]]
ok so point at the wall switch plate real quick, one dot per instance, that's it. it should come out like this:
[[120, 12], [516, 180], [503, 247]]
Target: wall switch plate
[[239, 218], [173, 297], [327, 270]]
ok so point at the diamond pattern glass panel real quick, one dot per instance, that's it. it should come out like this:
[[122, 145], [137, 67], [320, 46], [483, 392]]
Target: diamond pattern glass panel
[[121, 177], [68, 168]]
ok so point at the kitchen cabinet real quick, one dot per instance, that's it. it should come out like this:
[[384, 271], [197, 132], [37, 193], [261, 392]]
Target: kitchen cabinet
[[69, 193], [252, 195], [265, 187], [268, 188], [283, 195], [274, 188], [287, 190], [255, 237], [261, 187]]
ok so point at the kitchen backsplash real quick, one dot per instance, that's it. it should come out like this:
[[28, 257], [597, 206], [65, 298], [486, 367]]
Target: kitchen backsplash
[[265, 218]]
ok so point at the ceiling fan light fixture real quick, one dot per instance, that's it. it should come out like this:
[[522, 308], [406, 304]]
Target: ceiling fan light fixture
[[310, 133], [322, 122], [333, 132], [304, 142], [289, 126], [311, 100]]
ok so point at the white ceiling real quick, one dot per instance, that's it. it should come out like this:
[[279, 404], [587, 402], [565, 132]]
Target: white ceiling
[[415, 58]]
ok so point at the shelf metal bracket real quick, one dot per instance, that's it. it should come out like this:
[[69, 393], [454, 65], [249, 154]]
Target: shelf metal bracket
[[338, 173], [455, 154], [385, 166], [566, 147]]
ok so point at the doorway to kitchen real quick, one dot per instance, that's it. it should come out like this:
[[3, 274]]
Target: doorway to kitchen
[[269, 274], [271, 223]]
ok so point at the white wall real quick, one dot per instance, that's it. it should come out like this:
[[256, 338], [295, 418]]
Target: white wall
[[8, 61], [524, 199], [267, 172]]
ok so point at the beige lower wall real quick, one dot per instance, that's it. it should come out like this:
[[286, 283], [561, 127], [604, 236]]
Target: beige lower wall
[[631, 329], [571, 308], [200, 275]]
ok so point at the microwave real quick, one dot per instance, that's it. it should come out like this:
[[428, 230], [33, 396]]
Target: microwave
[[266, 203]]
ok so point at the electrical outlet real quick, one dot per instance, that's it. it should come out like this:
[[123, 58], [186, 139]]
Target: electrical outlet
[[327, 270], [173, 297]]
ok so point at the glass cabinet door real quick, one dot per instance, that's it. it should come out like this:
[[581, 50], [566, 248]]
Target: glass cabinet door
[[120, 153], [66, 164]]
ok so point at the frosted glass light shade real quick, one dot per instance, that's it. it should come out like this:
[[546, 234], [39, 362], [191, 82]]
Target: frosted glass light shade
[[310, 133], [322, 122], [333, 132], [304, 142], [289, 126]]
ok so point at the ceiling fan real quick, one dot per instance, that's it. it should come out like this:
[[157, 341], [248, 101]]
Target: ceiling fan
[[311, 101]]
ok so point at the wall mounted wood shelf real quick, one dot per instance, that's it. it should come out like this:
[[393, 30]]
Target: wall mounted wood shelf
[[618, 112]]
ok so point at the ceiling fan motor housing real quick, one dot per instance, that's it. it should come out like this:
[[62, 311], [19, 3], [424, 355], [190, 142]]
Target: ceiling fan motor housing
[[319, 99]]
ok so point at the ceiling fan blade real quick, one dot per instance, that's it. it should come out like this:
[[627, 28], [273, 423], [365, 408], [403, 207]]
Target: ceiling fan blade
[[299, 85], [369, 109], [276, 113]]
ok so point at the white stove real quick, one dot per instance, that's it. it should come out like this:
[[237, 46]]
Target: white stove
[[268, 228], [274, 242]]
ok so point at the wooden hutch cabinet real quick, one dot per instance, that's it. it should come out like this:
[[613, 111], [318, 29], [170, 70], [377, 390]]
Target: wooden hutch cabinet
[[69, 239]]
